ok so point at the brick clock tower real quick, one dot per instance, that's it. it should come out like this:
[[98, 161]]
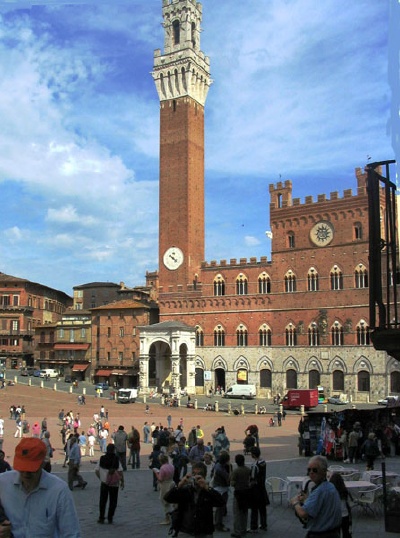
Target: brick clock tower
[[182, 78]]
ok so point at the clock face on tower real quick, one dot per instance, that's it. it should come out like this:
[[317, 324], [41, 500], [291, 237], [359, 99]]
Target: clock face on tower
[[173, 258], [321, 233]]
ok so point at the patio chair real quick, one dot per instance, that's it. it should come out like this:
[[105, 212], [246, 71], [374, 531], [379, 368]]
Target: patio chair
[[276, 485], [351, 476], [336, 468], [369, 500]]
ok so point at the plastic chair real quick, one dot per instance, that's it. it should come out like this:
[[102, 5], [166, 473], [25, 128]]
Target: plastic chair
[[351, 476], [276, 485], [368, 499]]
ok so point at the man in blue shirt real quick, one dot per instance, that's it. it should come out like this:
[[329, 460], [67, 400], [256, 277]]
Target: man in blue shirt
[[35, 502], [74, 464], [322, 508]]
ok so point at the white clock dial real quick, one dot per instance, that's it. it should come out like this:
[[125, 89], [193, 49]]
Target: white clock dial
[[321, 233], [173, 258]]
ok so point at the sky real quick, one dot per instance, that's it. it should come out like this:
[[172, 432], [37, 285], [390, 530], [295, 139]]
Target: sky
[[304, 90]]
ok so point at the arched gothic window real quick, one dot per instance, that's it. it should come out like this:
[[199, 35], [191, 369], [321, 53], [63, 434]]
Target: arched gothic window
[[312, 280], [241, 336], [265, 335], [199, 336], [290, 282], [290, 333], [219, 336], [241, 285], [337, 334], [361, 276], [336, 278], [313, 335], [264, 283], [363, 334], [219, 285]]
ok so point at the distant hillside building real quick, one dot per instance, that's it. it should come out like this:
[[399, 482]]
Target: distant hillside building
[[24, 305], [296, 321]]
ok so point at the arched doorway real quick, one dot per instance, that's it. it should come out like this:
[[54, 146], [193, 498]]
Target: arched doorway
[[219, 376]]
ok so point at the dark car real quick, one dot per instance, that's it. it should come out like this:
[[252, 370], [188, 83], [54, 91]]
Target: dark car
[[36, 373], [24, 373], [103, 386]]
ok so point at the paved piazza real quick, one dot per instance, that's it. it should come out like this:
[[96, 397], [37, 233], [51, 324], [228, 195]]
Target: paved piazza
[[139, 509]]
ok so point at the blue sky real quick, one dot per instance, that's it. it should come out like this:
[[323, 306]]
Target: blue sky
[[301, 91]]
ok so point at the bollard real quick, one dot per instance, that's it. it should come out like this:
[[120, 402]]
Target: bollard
[[144, 398], [16, 380], [242, 409], [195, 403], [29, 382], [256, 409], [55, 387], [229, 408], [41, 384], [70, 390], [178, 401], [84, 391], [216, 406], [302, 410], [325, 408], [280, 408]]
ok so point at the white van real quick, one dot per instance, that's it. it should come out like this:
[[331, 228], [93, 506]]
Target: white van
[[241, 391], [48, 372], [127, 395]]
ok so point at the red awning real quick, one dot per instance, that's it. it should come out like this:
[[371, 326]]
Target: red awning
[[79, 367], [103, 373], [72, 346], [119, 372]]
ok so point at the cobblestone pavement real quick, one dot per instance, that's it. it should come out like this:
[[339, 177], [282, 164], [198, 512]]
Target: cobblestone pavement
[[139, 509]]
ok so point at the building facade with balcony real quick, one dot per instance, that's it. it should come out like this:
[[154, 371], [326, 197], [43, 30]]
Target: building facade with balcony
[[66, 345], [25, 305]]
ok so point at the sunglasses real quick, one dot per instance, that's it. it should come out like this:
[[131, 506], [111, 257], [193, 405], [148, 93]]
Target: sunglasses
[[312, 470]]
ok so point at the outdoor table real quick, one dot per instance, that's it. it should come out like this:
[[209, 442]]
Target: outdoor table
[[368, 475], [345, 470], [355, 485]]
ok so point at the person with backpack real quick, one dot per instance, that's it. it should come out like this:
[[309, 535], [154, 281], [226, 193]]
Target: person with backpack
[[109, 471]]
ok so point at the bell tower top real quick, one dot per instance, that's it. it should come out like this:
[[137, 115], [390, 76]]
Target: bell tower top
[[182, 21], [183, 70]]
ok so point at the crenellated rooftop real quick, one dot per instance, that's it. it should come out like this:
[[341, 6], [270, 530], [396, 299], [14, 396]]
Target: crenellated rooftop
[[234, 262]]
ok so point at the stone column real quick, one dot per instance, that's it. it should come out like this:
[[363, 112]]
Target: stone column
[[175, 374], [144, 374]]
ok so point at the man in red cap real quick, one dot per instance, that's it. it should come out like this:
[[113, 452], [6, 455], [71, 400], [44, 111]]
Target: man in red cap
[[35, 501]]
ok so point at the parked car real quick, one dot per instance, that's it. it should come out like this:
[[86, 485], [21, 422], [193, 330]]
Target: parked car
[[37, 373], [337, 400], [388, 400], [103, 386]]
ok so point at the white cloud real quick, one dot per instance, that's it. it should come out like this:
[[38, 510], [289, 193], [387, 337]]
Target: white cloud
[[251, 241], [14, 234]]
